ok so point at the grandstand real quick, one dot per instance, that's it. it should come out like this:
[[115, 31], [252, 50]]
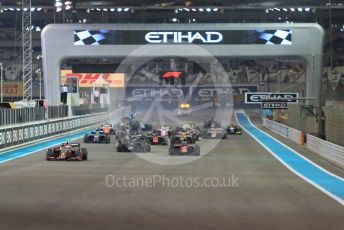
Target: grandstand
[[269, 75]]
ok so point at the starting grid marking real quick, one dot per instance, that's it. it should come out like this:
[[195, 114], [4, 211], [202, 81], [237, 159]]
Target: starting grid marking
[[325, 181]]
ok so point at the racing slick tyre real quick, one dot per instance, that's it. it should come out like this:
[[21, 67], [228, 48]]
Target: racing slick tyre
[[84, 154], [194, 151], [197, 150], [172, 141], [164, 141], [118, 146], [78, 154], [173, 152], [50, 153], [86, 139], [140, 148], [119, 149], [194, 139]]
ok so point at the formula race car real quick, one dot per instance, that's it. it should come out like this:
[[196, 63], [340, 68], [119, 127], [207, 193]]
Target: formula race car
[[233, 129], [97, 136], [157, 138], [146, 128], [214, 130], [165, 131], [107, 129], [133, 143], [194, 131], [183, 145], [141, 127], [68, 152], [184, 109]]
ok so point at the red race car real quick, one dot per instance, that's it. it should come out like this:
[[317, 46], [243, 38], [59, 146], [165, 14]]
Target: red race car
[[183, 144], [67, 152], [157, 138]]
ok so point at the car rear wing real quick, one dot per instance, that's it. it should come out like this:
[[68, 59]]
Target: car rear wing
[[75, 144]]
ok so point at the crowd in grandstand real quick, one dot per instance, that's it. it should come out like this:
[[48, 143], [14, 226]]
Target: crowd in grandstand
[[248, 72], [256, 73], [243, 73]]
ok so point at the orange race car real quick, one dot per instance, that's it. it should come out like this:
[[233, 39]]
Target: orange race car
[[67, 152]]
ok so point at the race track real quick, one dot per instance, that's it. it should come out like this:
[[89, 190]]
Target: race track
[[36, 194]]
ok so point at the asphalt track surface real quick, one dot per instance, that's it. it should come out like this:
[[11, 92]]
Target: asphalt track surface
[[36, 194]]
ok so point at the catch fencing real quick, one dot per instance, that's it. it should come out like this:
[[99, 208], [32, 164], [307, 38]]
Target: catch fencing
[[22, 134], [334, 125], [24, 115], [88, 109], [32, 114]]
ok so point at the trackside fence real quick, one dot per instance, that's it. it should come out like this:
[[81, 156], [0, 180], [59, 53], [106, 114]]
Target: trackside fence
[[21, 134], [330, 151], [88, 109], [57, 111], [24, 115]]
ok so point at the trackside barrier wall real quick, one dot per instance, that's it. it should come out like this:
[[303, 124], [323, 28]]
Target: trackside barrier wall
[[283, 130], [328, 150], [30, 132], [276, 127], [295, 135]]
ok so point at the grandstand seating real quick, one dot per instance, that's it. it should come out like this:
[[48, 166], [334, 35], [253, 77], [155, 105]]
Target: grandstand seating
[[250, 72]]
